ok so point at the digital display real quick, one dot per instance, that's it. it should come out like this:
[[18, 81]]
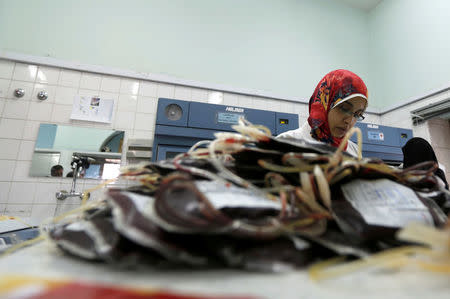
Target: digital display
[[228, 118]]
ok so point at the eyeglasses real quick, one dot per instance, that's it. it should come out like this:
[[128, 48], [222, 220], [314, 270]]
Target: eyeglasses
[[356, 115]]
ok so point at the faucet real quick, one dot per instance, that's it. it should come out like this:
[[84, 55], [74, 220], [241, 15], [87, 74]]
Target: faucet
[[78, 164]]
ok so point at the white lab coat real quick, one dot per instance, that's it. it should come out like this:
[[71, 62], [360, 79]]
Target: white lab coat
[[304, 132]]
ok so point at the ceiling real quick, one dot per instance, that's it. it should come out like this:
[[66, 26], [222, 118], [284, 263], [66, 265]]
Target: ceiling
[[366, 5]]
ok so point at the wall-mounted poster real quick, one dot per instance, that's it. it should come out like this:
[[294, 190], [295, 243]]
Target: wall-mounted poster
[[92, 108]]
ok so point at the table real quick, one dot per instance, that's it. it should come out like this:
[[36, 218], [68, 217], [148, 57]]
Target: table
[[44, 260]]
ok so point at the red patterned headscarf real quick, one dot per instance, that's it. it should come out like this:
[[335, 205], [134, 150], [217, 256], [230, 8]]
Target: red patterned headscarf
[[336, 87]]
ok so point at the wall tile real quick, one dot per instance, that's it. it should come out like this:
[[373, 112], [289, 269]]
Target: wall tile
[[144, 121], [61, 114], [11, 128], [7, 172], [259, 103], [4, 87], [26, 150], [69, 78], [21, 172], [90, 124], [6, 69], [9, 148], [286, 107], [302, 120], [124, 120], [166, 91], [110, 84], [110, 96], [21, 192], [142, 134], [45, 193], [40, 111], [148, 89], [2, 106], [90, 81], [395, 117], [65, 95], [215, 97], [41, 212], [301, 109], [372, 119], [88, 93], [245, 101], [50, 89], [199, 95], [30, 129], [230, 99], [4, 191], [130, 87], [271, 105], [16, 109], [421, 130], [26, 86], [62, 208], [405, 124], [48, 75], [25, 72], [146, 104], [19, 210], [183, 93], [45, 180], [127, 102]]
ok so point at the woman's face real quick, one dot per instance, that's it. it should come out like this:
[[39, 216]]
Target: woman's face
[[343, 117]]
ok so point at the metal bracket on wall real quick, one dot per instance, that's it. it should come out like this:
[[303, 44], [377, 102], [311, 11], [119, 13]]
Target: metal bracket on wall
[[436, 110]]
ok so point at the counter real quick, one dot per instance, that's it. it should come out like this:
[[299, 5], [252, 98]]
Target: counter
[[43, 260]]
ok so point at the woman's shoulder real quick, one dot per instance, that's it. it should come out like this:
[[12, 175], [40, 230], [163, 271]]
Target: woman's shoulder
[[301, 133]]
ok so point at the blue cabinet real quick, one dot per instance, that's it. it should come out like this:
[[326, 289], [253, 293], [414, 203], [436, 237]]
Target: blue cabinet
[[180, 124]]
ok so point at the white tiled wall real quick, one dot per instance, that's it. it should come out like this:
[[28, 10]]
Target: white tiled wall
[[135, 111]]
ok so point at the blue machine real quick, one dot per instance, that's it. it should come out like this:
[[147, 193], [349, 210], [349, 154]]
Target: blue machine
[[383, 142], [180, 124]]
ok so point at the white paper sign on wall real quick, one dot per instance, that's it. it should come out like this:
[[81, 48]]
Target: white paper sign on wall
[[92, 108]]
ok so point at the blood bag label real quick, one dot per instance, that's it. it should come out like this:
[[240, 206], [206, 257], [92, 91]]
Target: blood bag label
[[230, 196], [386, 203]]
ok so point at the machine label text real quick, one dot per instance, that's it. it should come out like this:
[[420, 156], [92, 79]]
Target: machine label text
[[234, 109]]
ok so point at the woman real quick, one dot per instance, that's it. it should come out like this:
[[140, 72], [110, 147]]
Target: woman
[[338, 101], [418, 150]]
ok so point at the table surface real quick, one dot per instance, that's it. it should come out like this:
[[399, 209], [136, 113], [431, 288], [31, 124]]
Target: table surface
[[44, 260]]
